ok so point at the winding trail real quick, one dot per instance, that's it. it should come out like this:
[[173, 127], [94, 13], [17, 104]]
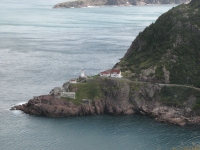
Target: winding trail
[[179, 85], [161, 84]]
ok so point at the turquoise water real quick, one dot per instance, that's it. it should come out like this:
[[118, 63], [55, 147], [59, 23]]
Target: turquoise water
[[43, 47]]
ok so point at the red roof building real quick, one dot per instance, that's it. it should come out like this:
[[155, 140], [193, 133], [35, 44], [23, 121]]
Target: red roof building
[[105, 73], [115, 73]]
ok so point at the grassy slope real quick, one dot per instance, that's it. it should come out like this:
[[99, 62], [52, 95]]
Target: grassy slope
[[86, 90], [175, 33], [95, 89]]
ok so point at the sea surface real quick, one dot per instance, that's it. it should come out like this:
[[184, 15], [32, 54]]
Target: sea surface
[[41, 48]]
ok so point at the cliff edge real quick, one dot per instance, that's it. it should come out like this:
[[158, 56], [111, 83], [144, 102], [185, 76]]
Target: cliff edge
[[177, 105]]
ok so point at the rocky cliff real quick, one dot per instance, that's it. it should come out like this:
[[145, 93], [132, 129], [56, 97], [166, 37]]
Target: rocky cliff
[[167, 51], [124, 97], [86, 3], [114, 100]]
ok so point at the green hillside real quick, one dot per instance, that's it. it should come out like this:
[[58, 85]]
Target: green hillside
[[168, 50]]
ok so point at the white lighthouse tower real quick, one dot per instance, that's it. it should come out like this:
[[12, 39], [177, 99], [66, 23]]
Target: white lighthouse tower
[[82, 73]]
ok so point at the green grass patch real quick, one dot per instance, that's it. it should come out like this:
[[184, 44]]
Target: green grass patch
[[134, 86], [159, 73], [87, 90], [95, 76]]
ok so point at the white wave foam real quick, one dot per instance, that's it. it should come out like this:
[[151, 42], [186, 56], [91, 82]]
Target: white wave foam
[[21, 103], [17, 112], [92, 6]]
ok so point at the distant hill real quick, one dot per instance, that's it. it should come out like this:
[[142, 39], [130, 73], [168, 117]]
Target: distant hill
[[168, 50], [86, 3]]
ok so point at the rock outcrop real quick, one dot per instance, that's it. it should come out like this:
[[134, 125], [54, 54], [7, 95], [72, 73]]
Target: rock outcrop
[[115, 101], [47, 105], [147, 102], [119, 99]]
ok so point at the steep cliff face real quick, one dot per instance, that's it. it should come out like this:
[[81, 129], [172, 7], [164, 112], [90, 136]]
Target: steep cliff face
[[86, 3], [170, 46], [115, 100], [177, 105], [47, 105]]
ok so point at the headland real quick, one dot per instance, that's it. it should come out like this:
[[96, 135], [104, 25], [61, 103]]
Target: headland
[[158, 76]]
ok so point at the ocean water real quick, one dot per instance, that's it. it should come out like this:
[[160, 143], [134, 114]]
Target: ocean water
[[41, 48]]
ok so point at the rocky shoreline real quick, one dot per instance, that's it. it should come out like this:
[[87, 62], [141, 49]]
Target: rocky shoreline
[[122, 101], [90, 3]]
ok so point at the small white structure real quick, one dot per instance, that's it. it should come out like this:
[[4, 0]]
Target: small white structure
[[82, 73], [115, 73]]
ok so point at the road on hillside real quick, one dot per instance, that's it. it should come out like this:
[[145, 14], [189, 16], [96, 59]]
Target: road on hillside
[[161, 84]]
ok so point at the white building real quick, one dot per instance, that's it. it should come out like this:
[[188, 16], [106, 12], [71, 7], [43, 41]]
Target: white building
[[114, 73], [105, 73], [82, 73]]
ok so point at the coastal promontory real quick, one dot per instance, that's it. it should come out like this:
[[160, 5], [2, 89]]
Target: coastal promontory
[[159, 76], [101, 95], [90, 3]]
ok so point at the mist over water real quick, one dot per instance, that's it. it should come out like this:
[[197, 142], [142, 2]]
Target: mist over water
[[41, 48]]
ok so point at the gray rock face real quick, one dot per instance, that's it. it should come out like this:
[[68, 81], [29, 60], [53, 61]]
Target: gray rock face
[[147, 75], [147, 72], [166, 75], [190, 102], [146, 102], [117, 97]]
